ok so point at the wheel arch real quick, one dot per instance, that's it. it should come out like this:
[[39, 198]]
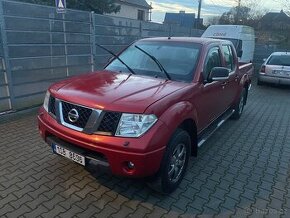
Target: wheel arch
[[189, 126], [246, 87], [182, 115]]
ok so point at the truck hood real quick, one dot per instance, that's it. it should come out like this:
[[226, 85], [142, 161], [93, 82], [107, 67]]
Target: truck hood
[[115, 91]]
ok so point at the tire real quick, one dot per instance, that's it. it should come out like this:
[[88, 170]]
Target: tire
[[174, 163], [239, 107]]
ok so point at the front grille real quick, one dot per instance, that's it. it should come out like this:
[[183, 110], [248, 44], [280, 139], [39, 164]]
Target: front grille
[[83, 112], [107, 125], [51, 105], [110, 122]]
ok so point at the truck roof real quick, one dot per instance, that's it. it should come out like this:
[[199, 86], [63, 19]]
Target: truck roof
[[228, 31], [203, 41]]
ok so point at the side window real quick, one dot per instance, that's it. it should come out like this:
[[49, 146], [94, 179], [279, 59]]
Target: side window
[[213, 59], [228, 54], [240, 45], [232, 57]]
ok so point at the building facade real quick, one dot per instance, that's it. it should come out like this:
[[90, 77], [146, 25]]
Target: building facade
[[134, 9], [182, 19], [275, 21]]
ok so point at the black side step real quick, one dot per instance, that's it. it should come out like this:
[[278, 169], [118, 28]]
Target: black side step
[[205, 134]]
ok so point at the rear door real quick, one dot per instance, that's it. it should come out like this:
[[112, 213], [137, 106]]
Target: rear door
[[231, 87]]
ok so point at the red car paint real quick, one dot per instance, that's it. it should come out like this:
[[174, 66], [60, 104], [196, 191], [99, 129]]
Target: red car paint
[[172, 102]]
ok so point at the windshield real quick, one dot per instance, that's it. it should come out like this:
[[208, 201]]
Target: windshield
[[279, 60], [178, 59]]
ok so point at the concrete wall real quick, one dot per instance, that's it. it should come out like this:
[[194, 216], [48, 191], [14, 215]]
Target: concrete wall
[[39, 47], [117, 33]]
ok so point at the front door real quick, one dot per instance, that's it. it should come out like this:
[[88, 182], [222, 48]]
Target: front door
[[210, 101]]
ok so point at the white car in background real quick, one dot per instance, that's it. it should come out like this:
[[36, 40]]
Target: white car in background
[[275, 69]]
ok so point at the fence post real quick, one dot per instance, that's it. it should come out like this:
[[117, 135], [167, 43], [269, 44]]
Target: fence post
[[93, 41], [65, 43], [7, 67]]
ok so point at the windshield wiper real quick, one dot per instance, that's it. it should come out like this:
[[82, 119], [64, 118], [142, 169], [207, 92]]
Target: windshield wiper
[[156, 61], [117, 57]]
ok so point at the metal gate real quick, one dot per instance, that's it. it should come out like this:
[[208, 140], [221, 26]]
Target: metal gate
[[39, 47], [5, 100]]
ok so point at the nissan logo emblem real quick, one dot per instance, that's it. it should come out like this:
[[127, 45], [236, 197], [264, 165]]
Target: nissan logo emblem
[[73, 115]]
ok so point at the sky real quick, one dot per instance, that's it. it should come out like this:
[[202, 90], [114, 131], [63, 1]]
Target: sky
[[209, 7]]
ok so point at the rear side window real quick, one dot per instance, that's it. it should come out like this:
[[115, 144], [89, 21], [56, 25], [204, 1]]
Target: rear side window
[[279, 60], [213, 59], [239, 46], [228, 55]]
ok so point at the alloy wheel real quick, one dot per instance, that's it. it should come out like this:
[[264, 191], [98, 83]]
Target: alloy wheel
[[177, 162]]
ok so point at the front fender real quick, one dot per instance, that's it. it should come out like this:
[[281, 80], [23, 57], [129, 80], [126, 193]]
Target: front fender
[[174, 116]]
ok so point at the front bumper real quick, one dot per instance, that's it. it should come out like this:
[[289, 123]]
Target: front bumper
[[145, 152], [274, 79]]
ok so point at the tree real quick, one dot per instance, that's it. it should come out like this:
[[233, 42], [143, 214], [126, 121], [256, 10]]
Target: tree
[[98, 6], [236, 15], [243, 15], [213, 20], [286, 6]]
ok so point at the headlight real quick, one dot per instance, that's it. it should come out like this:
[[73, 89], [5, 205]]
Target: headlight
[[134, 125], [46, 101]]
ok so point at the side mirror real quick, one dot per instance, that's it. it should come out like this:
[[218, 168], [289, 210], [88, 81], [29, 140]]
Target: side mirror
[[264, 59], [219, 74], [240, 53]]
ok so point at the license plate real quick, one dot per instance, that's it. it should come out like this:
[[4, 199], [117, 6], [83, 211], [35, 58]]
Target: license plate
[[69, 154], [281, 72]]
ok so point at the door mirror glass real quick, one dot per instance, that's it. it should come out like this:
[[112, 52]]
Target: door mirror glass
[[219, 74]]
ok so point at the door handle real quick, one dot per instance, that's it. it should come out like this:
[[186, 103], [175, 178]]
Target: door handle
[[224, 83], [237, 78]]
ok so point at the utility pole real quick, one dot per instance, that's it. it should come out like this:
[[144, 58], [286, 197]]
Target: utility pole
[[150, 12], [198, 14], [238, 11]]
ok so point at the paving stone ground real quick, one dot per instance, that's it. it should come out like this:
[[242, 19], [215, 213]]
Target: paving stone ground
[[242, 170]]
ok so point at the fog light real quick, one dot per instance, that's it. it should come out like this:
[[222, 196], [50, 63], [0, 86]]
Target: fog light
[[131, 165]]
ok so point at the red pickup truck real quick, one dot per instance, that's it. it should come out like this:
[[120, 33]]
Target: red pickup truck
[[150, 108]]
